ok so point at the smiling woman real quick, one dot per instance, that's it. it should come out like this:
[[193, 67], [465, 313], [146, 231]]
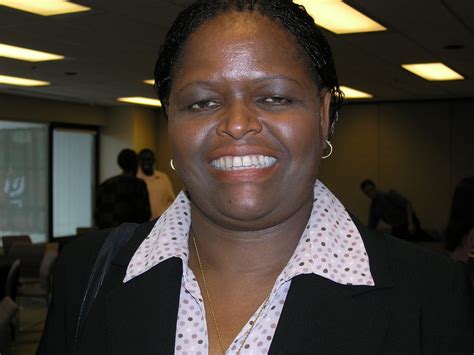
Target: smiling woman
[[256, 255]]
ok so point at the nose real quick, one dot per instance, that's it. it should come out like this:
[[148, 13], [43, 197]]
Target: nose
[[239, 120]]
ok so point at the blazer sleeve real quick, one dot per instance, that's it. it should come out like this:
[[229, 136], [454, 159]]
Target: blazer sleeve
[[69, 281], [459, 329]]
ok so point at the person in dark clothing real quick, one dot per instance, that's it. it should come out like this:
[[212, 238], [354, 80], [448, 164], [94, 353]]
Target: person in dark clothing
[[460, 229], [392, 208], [122, 198]]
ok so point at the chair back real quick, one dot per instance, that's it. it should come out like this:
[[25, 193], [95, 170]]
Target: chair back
[[12, 280], [84, 230], [8, 309], [31, 256], [9, 240], [46, 269]]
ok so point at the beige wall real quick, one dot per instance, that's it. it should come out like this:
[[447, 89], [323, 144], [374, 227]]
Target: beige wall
[[30, 109], [421, 149]]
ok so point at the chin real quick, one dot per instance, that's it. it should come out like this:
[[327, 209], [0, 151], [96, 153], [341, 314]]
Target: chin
[[247, 211]]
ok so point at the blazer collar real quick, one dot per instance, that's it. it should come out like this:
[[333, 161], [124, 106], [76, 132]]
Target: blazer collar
[[320, 316], [141, 314]]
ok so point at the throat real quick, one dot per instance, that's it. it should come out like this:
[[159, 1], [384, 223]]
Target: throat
[[233, 303]]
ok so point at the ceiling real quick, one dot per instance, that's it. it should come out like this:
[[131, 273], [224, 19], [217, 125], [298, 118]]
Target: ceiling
[[112, 49]]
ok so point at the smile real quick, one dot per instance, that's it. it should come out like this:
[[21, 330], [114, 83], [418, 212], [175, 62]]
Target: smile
[[243, 162]]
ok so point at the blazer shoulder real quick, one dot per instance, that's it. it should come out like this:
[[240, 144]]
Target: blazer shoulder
[[79, 255]]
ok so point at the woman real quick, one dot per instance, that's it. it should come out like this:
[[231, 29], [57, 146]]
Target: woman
[[257, 256], [460, 230]]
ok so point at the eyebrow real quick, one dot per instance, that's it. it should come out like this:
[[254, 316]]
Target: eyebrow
[[257, 80]]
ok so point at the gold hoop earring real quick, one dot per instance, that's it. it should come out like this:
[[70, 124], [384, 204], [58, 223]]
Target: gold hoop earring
[[172, 165], [330, 150]]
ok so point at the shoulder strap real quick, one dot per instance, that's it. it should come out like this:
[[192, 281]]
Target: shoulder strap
[[118, 237]]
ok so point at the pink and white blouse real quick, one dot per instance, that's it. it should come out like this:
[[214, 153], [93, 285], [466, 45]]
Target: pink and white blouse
[[330, 246]]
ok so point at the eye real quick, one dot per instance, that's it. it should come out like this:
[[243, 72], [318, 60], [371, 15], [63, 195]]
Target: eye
[[275, 100], [204, 105]]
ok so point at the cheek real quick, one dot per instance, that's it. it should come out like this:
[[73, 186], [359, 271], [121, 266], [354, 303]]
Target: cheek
[[302, 137], [187, 140]]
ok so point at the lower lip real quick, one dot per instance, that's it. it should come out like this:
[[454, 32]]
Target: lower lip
[[244, 174]]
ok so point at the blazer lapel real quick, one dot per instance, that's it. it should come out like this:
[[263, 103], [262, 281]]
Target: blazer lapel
[[137, 317], [321, 316], [141, 314]]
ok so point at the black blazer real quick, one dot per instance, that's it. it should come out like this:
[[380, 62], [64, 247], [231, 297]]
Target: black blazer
[[420, 305]]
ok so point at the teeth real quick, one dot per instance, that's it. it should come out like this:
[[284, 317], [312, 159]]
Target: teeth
[[228, 163], [247, 161], [243, 162], [237, 162]]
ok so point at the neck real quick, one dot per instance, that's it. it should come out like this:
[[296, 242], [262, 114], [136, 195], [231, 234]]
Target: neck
[[253, 252]]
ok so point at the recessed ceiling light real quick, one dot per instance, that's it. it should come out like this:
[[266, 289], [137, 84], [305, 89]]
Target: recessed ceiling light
[[350, 93], [433, 71], [140, 100], [149, 81], [338, 17], [45, 7], [12, 80], [29, 55]]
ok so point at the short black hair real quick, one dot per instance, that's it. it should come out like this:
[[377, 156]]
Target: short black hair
[[146, 154], [291, 16], [127, 160], [461, 218], [365, 183]]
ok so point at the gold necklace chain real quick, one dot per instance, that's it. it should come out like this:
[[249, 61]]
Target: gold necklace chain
[[206, 288]]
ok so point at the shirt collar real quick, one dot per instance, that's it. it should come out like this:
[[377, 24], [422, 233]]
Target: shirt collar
[[330, 246]]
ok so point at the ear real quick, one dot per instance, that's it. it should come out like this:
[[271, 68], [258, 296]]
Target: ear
[[324, 115]]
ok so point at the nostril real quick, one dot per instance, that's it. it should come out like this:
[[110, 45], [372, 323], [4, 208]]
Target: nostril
[[239, 123]]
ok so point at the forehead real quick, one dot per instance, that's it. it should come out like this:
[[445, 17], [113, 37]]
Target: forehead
[[244, 38]]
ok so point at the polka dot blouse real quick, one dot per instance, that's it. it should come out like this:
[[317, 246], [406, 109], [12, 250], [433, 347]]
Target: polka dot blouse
[[330, 246]]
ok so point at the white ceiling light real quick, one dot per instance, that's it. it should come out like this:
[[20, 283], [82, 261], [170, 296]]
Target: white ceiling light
[[141, 101], [45, 7], [433, 71], [149, 81], [338, 17], [29, 55], [13, 80], [350, 93]]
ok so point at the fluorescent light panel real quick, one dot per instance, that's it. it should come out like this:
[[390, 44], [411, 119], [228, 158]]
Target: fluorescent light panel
[[149, 81], [140, 100], [338, 17], [12, 80], [29, 55], [350, 93], [433, 71], [45, 7]]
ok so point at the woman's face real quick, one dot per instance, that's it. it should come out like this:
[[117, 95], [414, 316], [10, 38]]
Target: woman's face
[[247, 122]]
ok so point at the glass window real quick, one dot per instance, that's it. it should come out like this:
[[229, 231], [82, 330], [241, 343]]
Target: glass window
[[73, 179], [24, 179]]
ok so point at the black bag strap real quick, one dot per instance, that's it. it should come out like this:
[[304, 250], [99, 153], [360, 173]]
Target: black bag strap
[[118, 237]]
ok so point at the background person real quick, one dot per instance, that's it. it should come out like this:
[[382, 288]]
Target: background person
[[257, 256], [122, 198], [394, 209], [460, 229], [160, 190]]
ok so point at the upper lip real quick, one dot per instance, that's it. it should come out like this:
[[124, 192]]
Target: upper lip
[[240, 150]]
